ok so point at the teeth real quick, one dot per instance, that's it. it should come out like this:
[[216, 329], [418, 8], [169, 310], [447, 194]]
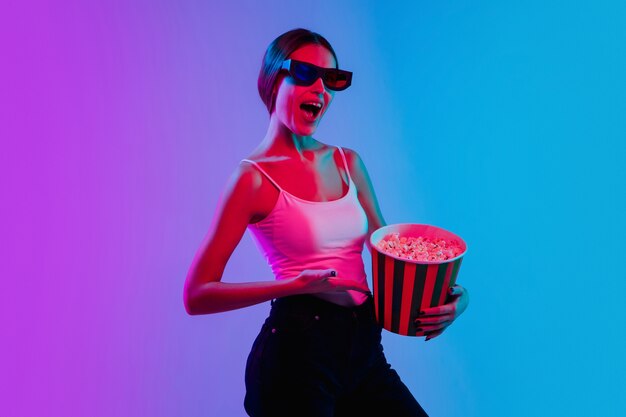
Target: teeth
[[318, 105]]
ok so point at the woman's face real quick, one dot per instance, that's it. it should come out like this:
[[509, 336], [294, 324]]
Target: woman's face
[[289, 96]]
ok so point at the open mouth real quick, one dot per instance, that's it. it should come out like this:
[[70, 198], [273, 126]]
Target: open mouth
[[311, 109]]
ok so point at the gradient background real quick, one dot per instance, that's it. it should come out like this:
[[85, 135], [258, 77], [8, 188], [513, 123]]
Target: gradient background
[[122, 120]]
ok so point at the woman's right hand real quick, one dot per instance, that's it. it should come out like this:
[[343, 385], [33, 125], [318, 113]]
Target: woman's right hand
[[324, 280]]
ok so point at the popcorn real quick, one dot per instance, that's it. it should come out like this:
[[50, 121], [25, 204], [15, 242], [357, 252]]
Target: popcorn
[[419, 248]]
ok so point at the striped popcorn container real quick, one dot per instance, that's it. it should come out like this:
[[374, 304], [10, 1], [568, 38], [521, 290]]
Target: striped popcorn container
[[401, 286]]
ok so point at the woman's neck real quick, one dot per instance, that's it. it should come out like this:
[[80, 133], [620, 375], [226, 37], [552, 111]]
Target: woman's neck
[[279, 140]]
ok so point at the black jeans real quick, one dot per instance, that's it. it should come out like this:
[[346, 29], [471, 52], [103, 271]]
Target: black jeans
[[316, 358]]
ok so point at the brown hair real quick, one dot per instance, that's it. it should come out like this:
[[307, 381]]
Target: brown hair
[[277, 52]]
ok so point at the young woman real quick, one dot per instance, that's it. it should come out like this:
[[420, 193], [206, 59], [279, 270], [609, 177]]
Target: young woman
[[310, 207]]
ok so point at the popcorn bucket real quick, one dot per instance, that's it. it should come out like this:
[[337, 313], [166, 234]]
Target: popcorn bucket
[[402, 287]]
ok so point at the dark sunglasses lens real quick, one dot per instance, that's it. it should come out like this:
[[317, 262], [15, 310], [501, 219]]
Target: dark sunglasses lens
[[336, 79], [303, 73]]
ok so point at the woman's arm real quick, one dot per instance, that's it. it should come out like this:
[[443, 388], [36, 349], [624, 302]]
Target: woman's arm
[[204, 293], [438, 318], [366, 194], [216, 296]]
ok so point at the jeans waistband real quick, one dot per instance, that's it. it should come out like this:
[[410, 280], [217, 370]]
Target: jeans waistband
[[310, 303]]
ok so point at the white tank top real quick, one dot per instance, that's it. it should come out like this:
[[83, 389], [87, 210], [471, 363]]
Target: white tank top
[[300, 234]]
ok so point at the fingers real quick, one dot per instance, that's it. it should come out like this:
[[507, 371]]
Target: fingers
[[454, 293], [431, 321], [329, 276], [439, 310], [325, 275], [456, 290], [328, 273], [428, 327], [433, 334]]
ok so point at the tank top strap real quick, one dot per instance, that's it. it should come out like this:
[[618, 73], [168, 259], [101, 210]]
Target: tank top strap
[[345, 162], [265, 173]]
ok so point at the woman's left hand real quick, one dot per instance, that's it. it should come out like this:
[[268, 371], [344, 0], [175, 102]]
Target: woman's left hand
[[436, 319]]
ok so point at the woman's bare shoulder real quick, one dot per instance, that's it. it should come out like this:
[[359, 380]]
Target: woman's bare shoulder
[[355, 163], [244, 182], [365, 190], [359, 173]]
